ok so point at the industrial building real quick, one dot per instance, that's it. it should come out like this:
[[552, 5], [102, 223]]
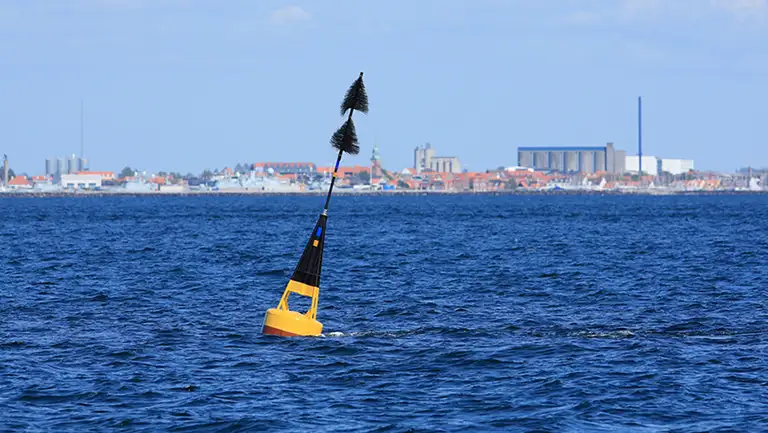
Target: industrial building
[[58, 166], [675, 166], [573, 159], [424, 159], [50, 167], [650, 164], [80, 181], [656, 166]]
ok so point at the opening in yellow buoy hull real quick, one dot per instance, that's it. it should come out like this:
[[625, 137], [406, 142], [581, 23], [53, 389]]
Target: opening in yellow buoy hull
[[288, 323]]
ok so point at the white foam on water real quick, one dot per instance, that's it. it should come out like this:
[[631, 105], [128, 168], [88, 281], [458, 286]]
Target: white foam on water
[[337, 334], [334, 334], [614, 334]]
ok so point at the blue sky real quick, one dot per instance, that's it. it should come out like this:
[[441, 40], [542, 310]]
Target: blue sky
[[185, 85]]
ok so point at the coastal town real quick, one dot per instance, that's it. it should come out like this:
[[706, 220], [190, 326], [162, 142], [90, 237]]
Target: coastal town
[[578, 169]]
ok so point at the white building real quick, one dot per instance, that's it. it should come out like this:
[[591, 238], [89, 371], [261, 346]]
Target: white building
[[172, 188], [80, 181], [650, 164], [676, 166], [44, 184], [656, 166], [518, 168]]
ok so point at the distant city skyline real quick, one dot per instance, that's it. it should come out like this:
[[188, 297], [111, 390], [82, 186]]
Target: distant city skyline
[[184, 86]]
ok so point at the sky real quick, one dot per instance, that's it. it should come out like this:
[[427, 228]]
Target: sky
[[188, 85]]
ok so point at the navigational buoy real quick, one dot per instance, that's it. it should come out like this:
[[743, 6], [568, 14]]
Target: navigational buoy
[[306, 277]]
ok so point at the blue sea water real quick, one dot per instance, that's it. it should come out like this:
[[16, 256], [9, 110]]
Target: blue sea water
[[441, 313]]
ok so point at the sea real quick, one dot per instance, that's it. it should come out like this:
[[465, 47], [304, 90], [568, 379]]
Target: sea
[[455, 313]]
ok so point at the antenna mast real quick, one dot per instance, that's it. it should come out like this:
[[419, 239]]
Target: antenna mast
[[640, 136], [81, 128]]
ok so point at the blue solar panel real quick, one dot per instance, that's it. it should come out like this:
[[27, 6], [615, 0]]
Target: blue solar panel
[[319, 231]]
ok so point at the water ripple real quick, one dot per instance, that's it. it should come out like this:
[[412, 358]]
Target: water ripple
[[446, 314]]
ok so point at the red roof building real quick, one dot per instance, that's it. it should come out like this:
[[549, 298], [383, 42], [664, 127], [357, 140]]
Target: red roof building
[[105, 175], [19, 182]]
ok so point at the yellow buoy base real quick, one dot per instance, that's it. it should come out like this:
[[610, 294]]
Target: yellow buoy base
[[288, 323], [282, 321]]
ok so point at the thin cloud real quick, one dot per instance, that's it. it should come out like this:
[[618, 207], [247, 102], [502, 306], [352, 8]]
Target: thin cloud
[[588, 12], [643, 53], [742, 9], [114, 4], [641, 5], [128, 5], [583, 18], [289, 15], [640, 8]]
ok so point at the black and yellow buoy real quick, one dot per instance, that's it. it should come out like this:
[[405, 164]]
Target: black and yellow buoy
[[306, 277]]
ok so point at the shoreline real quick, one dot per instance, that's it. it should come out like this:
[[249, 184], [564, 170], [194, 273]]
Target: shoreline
[[40, 194]]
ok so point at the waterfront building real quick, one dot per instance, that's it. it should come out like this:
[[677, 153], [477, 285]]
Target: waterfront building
[[171, 188], [105, 175], [650, 164], [19, 182], [563, 159], [50, 167], [345, 171], [445, 164], [44, 184], [72, 165], [424, 158], [286, 167], [82, 164], [57, 166], [80, 181], [675, 166], [655, 166]]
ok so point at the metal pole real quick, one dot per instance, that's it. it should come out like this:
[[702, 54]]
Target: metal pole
[[640, 136], [336, 169], [333, 180], [81, 129]]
